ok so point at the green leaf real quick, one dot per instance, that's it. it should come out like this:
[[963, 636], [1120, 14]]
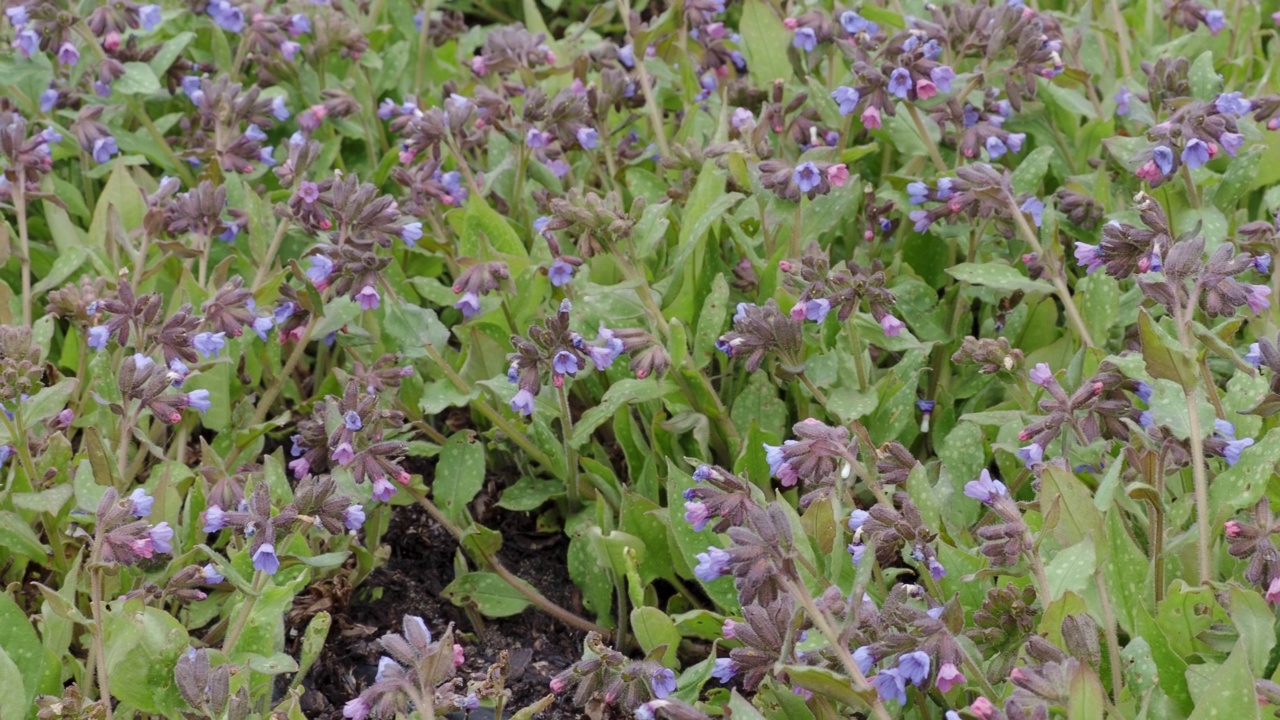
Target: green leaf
[[68, 261], [1071, 569], [486, 592], [1031, 170], [998, 276], [530, 494], [653, 629], [18, 538], [1230, 694], [138, 79], [169, 52], [277, 664], [459, 476], [51, 500], [711, 320], [1240, 486], [1077, 516], [14, 700], [1256, 622], [759, 401], [484, 223], [764, 41], [1098, 296], [1237, 179], [645, 519], [1205, 81], [822, 681], [1085, 699], [1127, 571], [1165, 357], [19, 644], [412, 327], [623, 392], [142, 647], [1169, 408]]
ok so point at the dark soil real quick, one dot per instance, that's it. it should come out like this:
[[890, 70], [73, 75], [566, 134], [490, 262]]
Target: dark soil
[[420, 566]]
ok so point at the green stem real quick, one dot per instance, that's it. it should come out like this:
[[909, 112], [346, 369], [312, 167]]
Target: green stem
[[276, 241], [570, 454], [1059, 284], [1109, 630], [646, 87], [1198, 474], [180, 167], [24, 245], [95, 602], [929, 144], [242, 617], [489, 412], [533, 596]]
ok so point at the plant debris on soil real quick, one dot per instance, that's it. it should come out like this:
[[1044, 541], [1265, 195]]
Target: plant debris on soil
[[419, 568]]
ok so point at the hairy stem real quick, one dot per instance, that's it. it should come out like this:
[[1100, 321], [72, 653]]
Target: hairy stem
[[1109, 630], [242, 617], [24, 245], [95, 601], [1059, 284], [934, 155], [533, 596], [570, 455]]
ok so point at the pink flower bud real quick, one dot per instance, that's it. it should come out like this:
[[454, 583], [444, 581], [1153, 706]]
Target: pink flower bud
[[983, 708], [557, 685], [838, 175], [458, 656], [1232, 528], [112, 41], [791, 23]]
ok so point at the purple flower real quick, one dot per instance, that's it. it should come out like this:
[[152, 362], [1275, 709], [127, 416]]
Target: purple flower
[[48, 100], [816, 310], [17, 16], [1196, 153], [900, 82], [1122, 98], [942, 77], [565, 363], [663, 683], [1031, 454], [985, 490], [723, 670], [161, 537], [1254, 356], [68, 54], [535, 138], [948, 677], [854, 23], [343, 454], [891, 325], [702, 473], [104, 148], [353, 518], [1232, 103], [936, 569], [209, 573], [807, 177], [1233, 449], [278, 108], [141, 503], [627, 55], [226, 16], [214, 519], [383, 489], [914, 666], [98, 337], [925, 406], [805, 39], [209, 344], [1163, 158], [1035, 208], [1041, 374], [1231, 142], [856, 551], [917, 192], [695, 513], [1014, 141], [890, 685], [320, 270], [352, 421], [522, 403], [150, 17], [264, 559], [261, 326], [1087, 255], [740, 118], [299, 24], [588, 138], [711, 564], [846, 98], [996, 147], [356, 708], [857, 518], [558, 167], [1215, 20], [561, 273], [1224, 428], [368, 298], [1257, 298], [199, 399], [602, 356], [1262, 263], [27, 42], [864, 659], [469, 304]]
